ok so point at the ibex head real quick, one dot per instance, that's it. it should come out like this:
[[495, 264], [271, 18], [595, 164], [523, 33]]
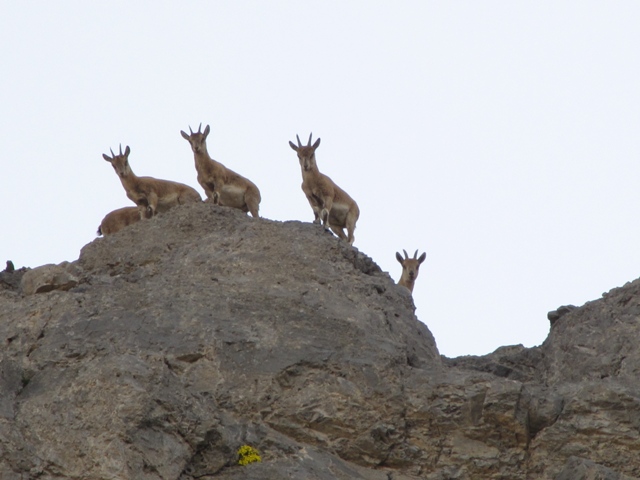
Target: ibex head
[[120, 162], [197, 140], [307, 153], [410, 268]]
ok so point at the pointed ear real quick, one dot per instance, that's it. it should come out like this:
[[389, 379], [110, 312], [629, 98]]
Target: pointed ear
[[127, 151], [294, 146], [422, 257], [399, 258], [184, 135], [107, 157], [317, 144], [207, 129]]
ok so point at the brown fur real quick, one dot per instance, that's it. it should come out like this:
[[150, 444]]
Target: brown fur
[[150, 194], [410, 269], [118, 219], [331, 205], [222, 185]]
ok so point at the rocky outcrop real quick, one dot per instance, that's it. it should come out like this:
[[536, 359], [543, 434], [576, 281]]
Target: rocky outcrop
[[201, 330], [50, 277], [11, 277], [556, 314], [581, 469]]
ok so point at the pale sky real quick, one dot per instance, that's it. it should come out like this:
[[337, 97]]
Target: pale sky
[[500, 137]]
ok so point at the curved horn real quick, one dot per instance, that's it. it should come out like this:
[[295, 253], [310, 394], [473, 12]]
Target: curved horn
[[200, 127], [415, 255], [112, 154], [190, 131], [298, 138], [309, 142], [406, 257], [120, 149]]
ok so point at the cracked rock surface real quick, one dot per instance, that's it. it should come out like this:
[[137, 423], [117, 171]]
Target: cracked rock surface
[[186, 336]]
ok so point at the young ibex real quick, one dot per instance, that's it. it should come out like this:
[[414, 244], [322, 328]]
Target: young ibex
[[118, 219], [410, 268], [331, 205], [222, 185], [151, 195]]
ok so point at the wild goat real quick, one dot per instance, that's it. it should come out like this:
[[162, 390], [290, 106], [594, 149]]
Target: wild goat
[[118, 219], [410, 268], [331, 205], [151, 195], [221, 184]]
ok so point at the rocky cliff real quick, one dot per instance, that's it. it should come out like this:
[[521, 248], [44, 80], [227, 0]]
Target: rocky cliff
[[166, 347]]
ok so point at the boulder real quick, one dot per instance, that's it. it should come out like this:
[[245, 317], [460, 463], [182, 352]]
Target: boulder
[[50, 277]]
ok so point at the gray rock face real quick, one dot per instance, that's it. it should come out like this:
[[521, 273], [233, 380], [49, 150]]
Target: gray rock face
[[556, 314], [581, 469], [10, 278], [201, 330], [50, 277]]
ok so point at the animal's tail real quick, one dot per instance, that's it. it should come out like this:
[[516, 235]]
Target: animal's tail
[[99, 232]]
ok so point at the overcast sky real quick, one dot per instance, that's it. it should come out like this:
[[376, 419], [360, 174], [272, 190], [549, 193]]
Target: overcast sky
[[500, 137]]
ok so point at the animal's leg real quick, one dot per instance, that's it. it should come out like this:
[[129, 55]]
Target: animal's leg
[[313, 202], [252, 199], [152, 204], [324, 214], [351, 226], [208, 188], [143, 211], [338, 231]]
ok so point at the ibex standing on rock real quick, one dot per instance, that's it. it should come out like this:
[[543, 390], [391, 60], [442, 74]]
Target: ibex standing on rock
[[151, 195], [331, 205], [222, 185], [410, 268]]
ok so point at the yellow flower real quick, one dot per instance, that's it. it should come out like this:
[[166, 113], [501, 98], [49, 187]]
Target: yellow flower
[[248, 455]]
